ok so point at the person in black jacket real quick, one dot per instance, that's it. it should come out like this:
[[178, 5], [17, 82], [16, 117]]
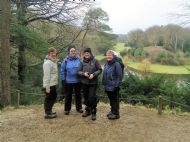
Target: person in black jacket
[[89, 70], [112, 78]]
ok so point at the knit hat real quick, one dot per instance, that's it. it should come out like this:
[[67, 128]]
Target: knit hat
[[87, 50], [71, 46]]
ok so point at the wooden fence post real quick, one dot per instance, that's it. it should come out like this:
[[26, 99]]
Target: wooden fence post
[[18, 99], [160, 105]]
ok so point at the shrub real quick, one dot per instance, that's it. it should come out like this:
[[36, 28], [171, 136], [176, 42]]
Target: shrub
[[123, 52], [149, 88], [187, 54], [168, 59]]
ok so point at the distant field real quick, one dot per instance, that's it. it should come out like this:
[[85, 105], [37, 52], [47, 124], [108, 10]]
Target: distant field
[[100, 57], [119, 47], [157, 68]]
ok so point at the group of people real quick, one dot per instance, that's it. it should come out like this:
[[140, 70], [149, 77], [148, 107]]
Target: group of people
[[81, 73]]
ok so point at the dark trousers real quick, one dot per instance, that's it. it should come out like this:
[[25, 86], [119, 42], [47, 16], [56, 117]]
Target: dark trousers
[[50, 99], [114, 101], [69, 92], [90, 98]]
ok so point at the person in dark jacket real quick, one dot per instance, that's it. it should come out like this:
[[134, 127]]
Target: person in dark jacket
[[89, 71], [112, 78], [70, 79]]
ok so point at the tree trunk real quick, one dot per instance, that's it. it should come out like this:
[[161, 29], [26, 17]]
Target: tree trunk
[[22, 43], [82, 43], [5, 97]]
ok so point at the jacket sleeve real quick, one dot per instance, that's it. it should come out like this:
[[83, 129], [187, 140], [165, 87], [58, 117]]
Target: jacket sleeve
[[46, 71], [99, 69], [119, 74], [63, 70], [80, 70]]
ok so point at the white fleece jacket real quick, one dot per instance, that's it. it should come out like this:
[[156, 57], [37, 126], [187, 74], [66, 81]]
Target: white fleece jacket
[[50, 71]]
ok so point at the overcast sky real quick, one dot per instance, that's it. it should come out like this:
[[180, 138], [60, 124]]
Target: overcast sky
[[126, 15]]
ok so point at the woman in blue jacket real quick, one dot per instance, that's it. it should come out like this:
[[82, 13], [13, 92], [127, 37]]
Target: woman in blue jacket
[[70, 79], [112, 78]]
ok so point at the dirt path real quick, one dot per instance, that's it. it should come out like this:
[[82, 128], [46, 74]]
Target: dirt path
[[135, 125]]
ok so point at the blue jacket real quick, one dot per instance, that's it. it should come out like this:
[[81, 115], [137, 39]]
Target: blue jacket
[[112, 75], [69, 68]]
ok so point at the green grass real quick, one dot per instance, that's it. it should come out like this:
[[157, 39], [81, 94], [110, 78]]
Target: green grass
[[167, 69], [120, 47], [100, 57]]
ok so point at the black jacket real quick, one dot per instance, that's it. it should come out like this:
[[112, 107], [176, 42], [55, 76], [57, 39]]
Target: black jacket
[[93, 67]]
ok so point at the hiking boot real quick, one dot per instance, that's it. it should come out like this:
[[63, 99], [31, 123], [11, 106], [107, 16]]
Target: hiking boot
[[110, 113], [86, 114], [113, 116], [54, 113], [93, 117], [50, 116], [66, 112], [80, 111]]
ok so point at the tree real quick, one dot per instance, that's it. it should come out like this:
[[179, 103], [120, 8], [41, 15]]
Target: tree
[[95, 20], [136, 38], [5, 97], [29, 11]]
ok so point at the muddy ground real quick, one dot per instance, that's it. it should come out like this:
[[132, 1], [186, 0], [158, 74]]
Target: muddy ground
[[135, 125]]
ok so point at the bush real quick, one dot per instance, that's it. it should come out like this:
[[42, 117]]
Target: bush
[[168, 59], [149, 88], [123, 52], [187, 54], [138, 52]]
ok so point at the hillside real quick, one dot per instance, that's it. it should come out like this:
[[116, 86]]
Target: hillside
[[154, 51], [135, 125]]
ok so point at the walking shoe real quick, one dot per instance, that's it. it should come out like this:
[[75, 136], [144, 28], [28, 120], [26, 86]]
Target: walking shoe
[[110, 113], [66, 112], [53, 113], [93, 117], [113, 116], [80, 111], [50, 116], [86, 114]]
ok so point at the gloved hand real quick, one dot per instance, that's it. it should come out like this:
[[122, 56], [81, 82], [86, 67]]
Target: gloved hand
[[48, 89]]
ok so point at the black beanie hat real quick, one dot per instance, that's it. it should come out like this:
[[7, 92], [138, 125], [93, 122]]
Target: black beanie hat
[[71, 46], [88, 50]]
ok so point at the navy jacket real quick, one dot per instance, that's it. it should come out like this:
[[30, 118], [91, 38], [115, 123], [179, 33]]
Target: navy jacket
[[112, 75], [69, 69]]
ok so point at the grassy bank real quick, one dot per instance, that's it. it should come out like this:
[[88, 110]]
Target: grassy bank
[[157, 68]]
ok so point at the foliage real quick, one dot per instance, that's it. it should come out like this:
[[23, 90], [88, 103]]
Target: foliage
[[123, 52], [105, 42], [33, 40], [137, 52], [148, 88], [172, 37], [169, 59]]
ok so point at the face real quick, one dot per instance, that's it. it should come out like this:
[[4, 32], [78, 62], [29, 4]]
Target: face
[[72, 52], [109, 56], [53, 54], [87, 55]]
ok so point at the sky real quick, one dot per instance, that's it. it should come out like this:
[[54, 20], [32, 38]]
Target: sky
[[127, 15]]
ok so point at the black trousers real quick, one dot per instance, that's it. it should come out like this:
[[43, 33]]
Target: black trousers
[[50, 99], [114, 101], [69, 92], [90, 97]]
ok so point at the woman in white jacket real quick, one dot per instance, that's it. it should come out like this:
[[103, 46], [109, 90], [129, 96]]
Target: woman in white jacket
[[50, 80]]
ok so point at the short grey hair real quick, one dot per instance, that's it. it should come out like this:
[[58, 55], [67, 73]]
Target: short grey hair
[[110, 52]]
